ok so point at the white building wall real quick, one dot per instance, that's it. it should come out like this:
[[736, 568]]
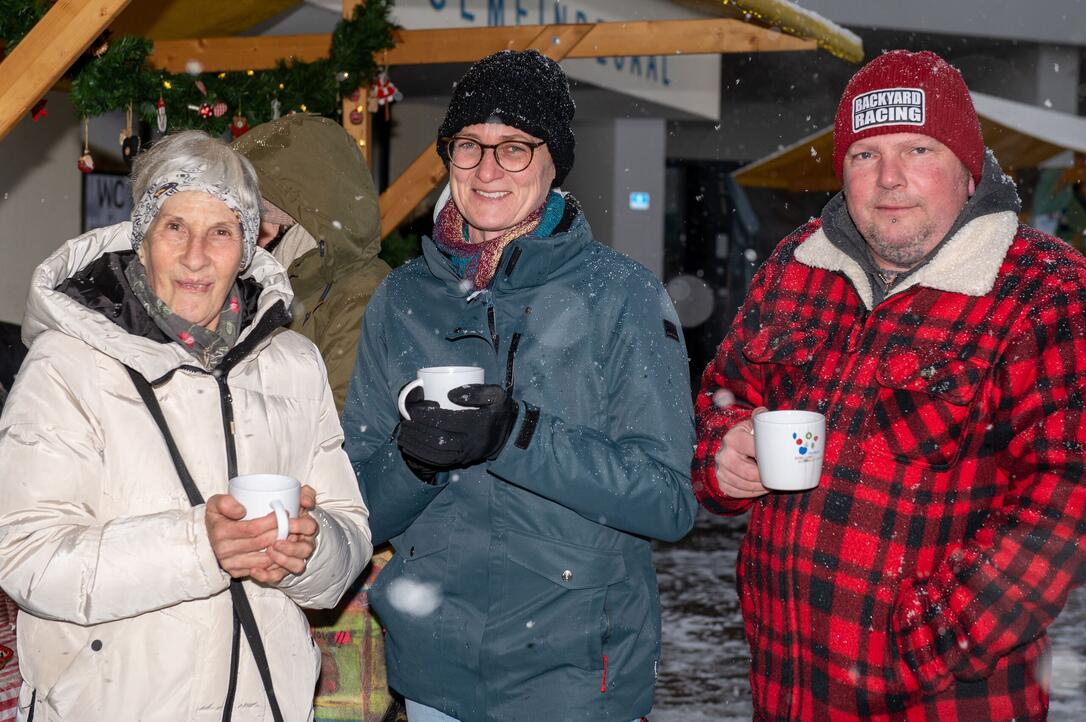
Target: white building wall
[[40, 197]]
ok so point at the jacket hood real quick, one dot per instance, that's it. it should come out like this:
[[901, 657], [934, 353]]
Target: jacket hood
[[50, 309], [312, 169]]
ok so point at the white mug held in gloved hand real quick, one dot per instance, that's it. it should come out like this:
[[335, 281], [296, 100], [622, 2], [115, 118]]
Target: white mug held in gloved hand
[[437, 382]]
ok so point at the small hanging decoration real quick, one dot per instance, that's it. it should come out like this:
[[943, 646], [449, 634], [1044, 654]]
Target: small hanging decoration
[[161, 115], [101, 44], [86, 161], [276, 108], [384, 91], [38, 111], [239, 126], [130, 142], [219, 109], [356, 115], [204, 109]]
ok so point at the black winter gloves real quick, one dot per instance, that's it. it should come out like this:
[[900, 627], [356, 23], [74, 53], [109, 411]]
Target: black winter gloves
[[436, 439]]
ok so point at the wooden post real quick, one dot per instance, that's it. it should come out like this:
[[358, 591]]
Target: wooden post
[[47, 52], [362, 132]]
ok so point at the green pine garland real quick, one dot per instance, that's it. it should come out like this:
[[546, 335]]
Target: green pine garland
[[17, 17], [121, 77]]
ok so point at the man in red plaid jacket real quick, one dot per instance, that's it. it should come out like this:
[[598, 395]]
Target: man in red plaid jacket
[[946, 345]]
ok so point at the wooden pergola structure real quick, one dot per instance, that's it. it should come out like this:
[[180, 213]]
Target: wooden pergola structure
[[70, 26]]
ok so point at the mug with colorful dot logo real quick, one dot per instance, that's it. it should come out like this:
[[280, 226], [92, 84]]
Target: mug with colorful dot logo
[[788, 447]]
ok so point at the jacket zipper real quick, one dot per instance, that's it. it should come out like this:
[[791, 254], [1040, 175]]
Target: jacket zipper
[[511, 355], [513, 343], [226, 402], [492, 323]]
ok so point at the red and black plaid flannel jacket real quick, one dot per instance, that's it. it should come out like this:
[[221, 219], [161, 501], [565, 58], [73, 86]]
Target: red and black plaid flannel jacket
[[917, 580]]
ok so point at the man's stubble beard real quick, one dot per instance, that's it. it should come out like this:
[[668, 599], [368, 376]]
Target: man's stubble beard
[[903, 253]]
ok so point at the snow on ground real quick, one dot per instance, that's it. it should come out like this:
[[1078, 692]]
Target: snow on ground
[[703, 673]]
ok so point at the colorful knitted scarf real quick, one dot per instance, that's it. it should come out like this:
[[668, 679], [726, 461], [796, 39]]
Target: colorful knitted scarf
[[478, 262]]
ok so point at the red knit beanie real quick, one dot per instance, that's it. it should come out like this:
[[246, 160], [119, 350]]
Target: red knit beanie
[[903, 92]]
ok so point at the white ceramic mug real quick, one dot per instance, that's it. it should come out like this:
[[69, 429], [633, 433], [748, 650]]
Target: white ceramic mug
[[262, 493], [437, 382], [789, 446]]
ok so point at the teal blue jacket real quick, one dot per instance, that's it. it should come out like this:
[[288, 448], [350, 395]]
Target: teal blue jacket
[[522, 589]]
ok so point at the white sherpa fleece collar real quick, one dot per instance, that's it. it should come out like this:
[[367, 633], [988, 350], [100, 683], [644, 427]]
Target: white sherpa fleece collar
[[968, 262]]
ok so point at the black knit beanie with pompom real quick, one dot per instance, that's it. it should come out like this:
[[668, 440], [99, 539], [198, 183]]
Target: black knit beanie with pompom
[[525, 90]]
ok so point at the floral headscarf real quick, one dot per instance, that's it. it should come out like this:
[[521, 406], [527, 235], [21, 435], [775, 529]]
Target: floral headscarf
[[190, 179]]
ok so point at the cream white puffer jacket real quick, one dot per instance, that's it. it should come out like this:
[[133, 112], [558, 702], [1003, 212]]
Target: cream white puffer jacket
[[126, 613]]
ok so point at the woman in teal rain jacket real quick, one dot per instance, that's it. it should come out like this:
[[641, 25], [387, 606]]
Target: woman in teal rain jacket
[[522, 589]]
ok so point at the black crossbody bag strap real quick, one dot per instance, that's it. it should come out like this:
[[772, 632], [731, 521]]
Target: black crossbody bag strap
[[243, 612]]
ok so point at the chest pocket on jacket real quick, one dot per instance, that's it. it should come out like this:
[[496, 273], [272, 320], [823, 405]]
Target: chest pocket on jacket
[[923, 403], [554, 603], [786, 352], [424, 538]]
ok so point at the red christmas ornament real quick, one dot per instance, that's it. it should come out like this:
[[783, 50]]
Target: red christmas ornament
[[353, 97], [356, 117], [384, 91], [239, 126], [38, 111], [161, 115], [86, 163], [219, 109], [205, 110]]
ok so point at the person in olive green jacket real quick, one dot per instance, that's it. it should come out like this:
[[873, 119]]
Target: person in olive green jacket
[[321, 221]]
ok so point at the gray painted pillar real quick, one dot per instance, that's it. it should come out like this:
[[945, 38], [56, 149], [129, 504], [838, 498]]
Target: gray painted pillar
[[592, 177], [639, 165], [614, 159], [1057, 73]]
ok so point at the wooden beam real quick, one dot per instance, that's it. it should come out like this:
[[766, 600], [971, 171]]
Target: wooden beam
[[239, 53], [410, 188], [47, 52], [789, 18], [558, 41], [463, 45], [648, 37]]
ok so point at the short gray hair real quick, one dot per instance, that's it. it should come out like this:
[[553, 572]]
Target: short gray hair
[[189, 148], [193, 160]]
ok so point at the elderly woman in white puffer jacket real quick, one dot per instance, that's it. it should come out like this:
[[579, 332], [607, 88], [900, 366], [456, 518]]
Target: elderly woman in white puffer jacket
[[135, 588]]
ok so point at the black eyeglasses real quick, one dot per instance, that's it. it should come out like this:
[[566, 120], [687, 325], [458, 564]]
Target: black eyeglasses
[[512, 155]]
